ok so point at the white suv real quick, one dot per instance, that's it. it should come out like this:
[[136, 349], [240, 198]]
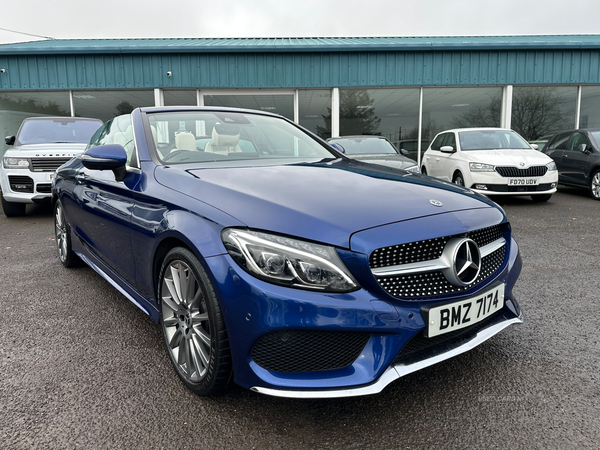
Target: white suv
[[40, 147]]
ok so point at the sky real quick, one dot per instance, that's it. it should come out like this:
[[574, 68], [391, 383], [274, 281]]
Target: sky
[[105, 19]]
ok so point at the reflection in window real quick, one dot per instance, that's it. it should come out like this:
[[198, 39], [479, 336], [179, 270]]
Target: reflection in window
[[180, 97], [105, 105], [17, 106], [590, 107], [277, 104], [447, 108], [314, 105], [539, 111]]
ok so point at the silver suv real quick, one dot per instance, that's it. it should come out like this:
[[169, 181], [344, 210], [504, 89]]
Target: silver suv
[[40, 147]]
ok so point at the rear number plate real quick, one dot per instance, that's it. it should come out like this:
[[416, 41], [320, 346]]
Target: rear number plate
[[523, 181], [454, 316]]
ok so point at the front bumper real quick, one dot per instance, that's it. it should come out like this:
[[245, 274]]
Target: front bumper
[[253, 308], [491, 183], [25, 186]]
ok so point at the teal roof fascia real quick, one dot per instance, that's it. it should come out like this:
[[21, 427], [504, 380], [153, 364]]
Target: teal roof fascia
[[268, 45]]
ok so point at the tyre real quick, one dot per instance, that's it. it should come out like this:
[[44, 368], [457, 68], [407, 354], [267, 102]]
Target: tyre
[[595, 185], [12, 209], [423, 170], [62, 231], [541, 197], [458, 179], [192, 324]]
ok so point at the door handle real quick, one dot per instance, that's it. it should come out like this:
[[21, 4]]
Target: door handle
[[565, 156]]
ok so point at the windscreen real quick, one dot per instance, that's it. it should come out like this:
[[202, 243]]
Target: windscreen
[[206, 136], [57, 130], [361, 146], [491, 140]]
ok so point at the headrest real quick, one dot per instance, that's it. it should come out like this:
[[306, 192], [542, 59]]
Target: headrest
[[224, 135], [185, 141]]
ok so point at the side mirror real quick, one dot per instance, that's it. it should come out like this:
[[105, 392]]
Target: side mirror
[[338, 147], [106, 157], [583, 148], [10, 140], [404, 152], [447, 149], [534, 146]]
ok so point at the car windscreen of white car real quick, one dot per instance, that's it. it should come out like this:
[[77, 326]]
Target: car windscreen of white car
[[363, 146], [59, 130], [491, 140]]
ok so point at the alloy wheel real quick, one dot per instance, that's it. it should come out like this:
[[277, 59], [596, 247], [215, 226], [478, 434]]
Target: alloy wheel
[[595, 185], [186, 321], [61, 233]]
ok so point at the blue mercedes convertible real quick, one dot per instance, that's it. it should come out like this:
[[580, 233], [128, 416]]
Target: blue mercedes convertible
[[273, 261]]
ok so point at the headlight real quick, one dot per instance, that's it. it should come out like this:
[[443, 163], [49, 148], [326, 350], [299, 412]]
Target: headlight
[[15, 163], [480, 167], [551, 165], [413, 169], [289, 262]]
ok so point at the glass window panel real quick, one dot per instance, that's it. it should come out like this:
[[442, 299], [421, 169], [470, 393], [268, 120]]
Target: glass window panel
[[105, 105], [590, 107], [314, 108], [278, 104], [17, 106], [542, 111], [393, 113], [178, 97]]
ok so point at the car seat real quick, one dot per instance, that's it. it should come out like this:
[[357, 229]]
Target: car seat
[[224, 138]]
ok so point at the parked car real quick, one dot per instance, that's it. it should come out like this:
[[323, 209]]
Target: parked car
[[272, 260], [577, 156], [374, 150], [411, 146], [538, 144], [491, 161], [41, 145]]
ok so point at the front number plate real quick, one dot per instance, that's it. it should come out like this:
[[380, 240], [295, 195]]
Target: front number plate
[[454, 316], [523, 181]]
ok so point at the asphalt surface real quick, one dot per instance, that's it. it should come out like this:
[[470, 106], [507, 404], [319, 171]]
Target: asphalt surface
[[82, 367]]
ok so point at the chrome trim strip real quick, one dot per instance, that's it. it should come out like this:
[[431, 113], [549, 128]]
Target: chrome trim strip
[[111, 281], [394, 372], [432, 264]]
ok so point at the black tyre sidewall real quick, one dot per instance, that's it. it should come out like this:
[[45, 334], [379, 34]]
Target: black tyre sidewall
[[12, 209], [219, 369], [456, 177]]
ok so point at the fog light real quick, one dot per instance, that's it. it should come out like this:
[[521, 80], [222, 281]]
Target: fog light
[[481, 186], [553, 185]]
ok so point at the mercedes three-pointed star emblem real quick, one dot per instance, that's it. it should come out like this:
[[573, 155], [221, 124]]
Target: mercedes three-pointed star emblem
[[464, 260]]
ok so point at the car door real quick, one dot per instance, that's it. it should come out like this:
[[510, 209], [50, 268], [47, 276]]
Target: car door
[[575, 162], [434, 155], [447, 160], [105, 205], [555, 149]]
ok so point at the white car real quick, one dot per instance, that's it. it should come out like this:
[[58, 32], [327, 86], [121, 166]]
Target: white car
[[39, 148], [491, 161]]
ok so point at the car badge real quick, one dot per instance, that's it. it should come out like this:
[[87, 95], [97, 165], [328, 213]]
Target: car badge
[[465, 261], [435, 202], [521, 164]]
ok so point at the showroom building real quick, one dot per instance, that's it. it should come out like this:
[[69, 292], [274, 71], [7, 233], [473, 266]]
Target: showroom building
[[406, 88]]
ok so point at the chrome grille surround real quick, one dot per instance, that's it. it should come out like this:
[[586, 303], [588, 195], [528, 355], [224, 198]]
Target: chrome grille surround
[[403, 272], [515, 172], [47, 164]]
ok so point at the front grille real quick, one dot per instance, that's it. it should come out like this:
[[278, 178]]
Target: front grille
[[515, 172], [506, 188], [47, 164], [419, 286], [19, 183], [421, 347], [45, 188], [308, 350]]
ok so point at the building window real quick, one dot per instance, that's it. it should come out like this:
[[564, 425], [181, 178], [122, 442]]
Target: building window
[[180, 97], [17, 106], [282, 104], [590, 107], [541, 111], [105, 105], [314, 109]]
